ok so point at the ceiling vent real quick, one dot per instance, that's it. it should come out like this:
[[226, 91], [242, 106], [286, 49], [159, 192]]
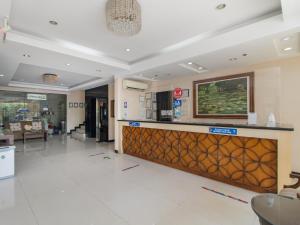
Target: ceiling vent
[[135, 85]]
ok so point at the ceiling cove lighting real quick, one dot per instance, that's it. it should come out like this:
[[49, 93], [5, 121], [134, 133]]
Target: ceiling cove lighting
[[123, 17], [286, 38], [287, 49], [194, 67]]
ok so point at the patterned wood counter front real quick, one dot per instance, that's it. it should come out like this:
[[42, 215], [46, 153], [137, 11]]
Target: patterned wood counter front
[[249, 163]]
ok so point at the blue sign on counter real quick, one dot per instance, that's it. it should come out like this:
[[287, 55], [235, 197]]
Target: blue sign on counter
[[220, 130], [134, 124]]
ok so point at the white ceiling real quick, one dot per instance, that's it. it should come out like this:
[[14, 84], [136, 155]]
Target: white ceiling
[[34, 74], [262, 50], [165, 23], [173, 32]]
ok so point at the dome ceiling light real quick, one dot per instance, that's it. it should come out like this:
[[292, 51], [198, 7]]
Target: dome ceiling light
[[123, 17]]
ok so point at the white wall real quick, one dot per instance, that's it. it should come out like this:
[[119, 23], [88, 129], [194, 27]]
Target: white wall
[[133, 110], [132, 98], [75, 116], [267, 92], [276, 90]]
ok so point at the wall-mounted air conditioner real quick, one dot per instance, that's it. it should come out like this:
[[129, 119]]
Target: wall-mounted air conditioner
[[135, 85]]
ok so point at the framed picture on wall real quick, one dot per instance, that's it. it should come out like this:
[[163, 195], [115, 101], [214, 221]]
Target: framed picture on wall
[[148, 95], [75, 104], [185, 93], [148, 114], [71, 105], [224, 97]]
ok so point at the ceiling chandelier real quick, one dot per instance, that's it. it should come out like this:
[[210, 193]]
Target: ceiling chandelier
[[50, 78], [123, 17]]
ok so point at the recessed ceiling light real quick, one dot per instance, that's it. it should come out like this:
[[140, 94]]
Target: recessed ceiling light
[[53, 22], [221, 6], [287, 49], [68, 64], [245, 54], [200, 68], [286, 38], [127, 49], [190, 63], [1, 75], [26, 55]]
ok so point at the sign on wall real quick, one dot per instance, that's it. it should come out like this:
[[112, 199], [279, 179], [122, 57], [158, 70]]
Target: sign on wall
[[134, 124], [221, 130], [177, 93], [37, 97], [177, 103]]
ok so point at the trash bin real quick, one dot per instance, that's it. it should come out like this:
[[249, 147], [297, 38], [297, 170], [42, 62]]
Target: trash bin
[[7, 162]]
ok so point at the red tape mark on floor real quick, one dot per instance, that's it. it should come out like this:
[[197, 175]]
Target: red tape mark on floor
[[228, 196]]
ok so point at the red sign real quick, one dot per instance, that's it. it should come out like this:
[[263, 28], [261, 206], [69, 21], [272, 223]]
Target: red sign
[[177, 93]]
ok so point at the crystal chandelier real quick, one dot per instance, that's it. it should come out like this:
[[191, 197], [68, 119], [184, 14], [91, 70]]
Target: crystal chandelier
[[123, 17], [50, 78]]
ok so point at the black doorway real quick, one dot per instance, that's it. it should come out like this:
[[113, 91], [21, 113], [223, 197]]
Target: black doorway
[[96, 115]]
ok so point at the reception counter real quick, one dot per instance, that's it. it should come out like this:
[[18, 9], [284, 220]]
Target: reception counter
[[254, 157]]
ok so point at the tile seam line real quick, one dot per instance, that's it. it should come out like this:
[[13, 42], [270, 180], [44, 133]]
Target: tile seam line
[[102, 202], [28, 202]]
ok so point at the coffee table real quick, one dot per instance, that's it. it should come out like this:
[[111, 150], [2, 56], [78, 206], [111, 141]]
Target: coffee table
[[273, 209]]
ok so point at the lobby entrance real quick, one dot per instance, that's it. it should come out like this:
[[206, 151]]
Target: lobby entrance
[[97, 113]]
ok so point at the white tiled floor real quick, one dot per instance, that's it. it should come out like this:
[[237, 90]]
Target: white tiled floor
[[59, 183]]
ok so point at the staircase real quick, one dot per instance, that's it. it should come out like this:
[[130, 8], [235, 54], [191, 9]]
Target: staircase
[[79, 133]]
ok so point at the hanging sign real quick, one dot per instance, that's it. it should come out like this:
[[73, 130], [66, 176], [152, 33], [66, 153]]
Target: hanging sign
[[177, 93], [220, 130]]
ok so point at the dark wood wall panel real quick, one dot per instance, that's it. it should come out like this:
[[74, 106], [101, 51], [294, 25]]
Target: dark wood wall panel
[[249, 163]]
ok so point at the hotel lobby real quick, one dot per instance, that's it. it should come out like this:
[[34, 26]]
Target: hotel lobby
[[135, 112]]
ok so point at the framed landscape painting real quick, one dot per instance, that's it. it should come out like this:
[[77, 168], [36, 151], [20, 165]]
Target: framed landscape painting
[[224, 97]]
